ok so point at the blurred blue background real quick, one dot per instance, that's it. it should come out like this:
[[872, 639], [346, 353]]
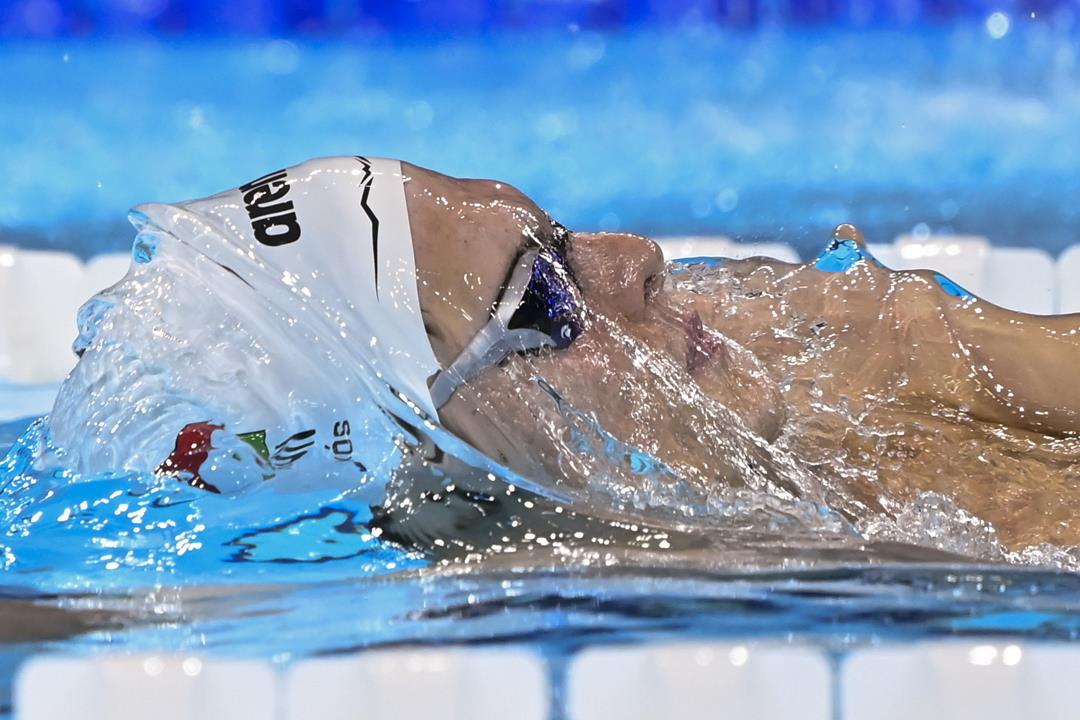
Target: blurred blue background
[[52, 18], [761, 119]]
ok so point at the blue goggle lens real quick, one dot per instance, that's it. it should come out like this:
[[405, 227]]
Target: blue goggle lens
[[549, 305]]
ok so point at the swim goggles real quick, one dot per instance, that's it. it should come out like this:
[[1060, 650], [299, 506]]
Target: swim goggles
[[537, 309]]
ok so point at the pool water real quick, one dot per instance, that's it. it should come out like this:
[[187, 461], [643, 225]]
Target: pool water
[[177, 569], [687, 131], [690, 130]]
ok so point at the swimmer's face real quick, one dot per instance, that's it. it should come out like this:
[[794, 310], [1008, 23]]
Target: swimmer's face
[[468, 234]]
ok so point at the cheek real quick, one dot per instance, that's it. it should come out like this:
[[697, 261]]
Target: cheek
[[580, 371], [593, 376], [505, 407], [510, 397]]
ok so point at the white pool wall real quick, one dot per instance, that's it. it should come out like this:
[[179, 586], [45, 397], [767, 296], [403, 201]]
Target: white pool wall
[[754, 680]]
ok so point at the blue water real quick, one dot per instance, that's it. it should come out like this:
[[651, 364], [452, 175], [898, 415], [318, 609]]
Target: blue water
[[272, 575], [689, 130], [108, 18], [120, 563]]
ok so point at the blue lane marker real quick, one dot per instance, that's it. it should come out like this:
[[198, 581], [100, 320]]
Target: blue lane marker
[[840, 255], [700, 260], [1016, 621], [952, 288]]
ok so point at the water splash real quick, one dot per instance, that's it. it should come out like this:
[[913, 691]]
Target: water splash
[[85, 504]]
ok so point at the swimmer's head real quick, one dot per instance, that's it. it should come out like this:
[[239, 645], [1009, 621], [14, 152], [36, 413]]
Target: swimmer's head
[[427, 279], [289, 302], [285, 309], [321, 255], [468, 236]]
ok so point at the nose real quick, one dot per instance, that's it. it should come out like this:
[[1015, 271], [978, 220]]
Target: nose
[[613, 270]]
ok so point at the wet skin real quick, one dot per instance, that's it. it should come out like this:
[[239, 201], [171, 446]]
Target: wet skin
[[879, 384]]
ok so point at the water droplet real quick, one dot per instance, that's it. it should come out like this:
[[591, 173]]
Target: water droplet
[[727, 199], [997, 25]]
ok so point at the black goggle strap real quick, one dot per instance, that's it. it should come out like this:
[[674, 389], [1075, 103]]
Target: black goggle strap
[[495, 341]]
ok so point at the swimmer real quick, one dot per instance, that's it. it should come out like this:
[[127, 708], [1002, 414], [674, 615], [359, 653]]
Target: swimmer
[[914, 384], [838, 378]]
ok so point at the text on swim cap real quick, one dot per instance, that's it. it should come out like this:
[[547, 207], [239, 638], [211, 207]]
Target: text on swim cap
[[273, 219]]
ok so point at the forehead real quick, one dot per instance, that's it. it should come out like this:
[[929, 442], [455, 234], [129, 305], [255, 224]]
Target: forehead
[[466, 236], [475, 225]]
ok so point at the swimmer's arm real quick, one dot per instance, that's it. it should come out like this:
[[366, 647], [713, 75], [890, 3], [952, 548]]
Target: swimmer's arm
[[1026, 363]]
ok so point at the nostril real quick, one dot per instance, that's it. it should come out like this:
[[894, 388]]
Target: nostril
[[653, 284], [655, 258]]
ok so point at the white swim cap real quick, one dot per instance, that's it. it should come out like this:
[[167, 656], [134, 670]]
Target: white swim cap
[[285, 312], [336, 231]]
